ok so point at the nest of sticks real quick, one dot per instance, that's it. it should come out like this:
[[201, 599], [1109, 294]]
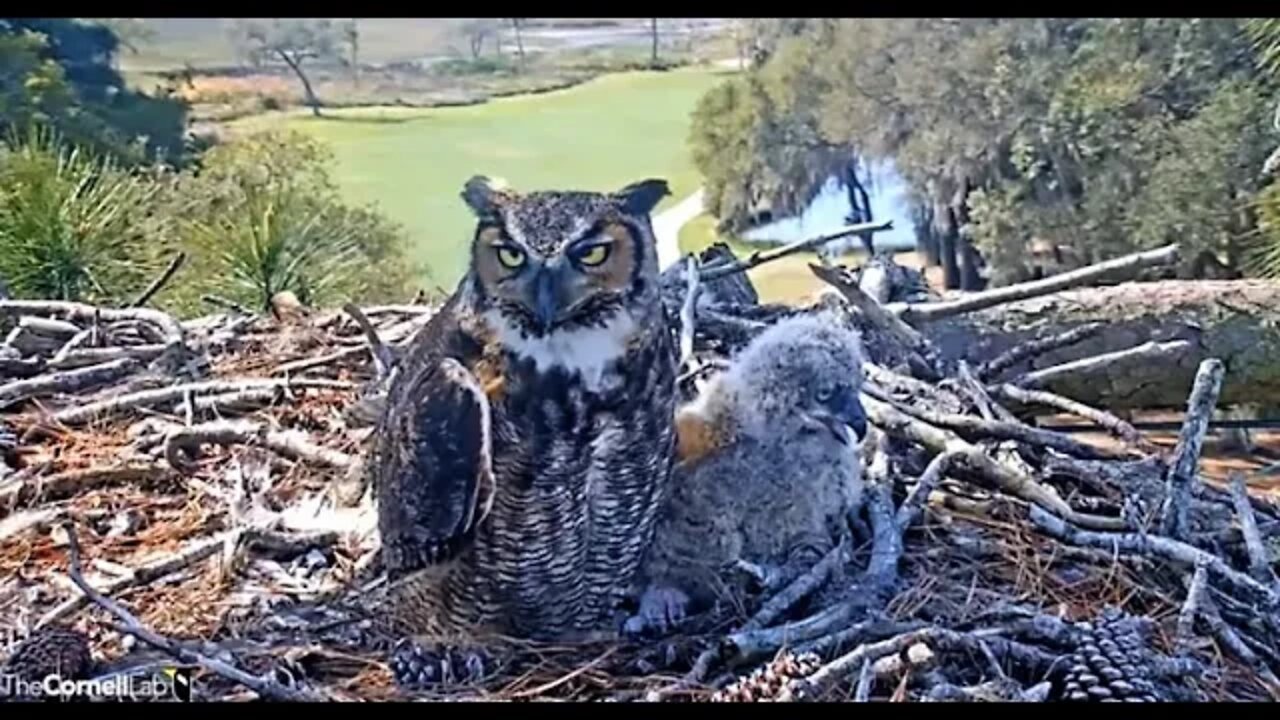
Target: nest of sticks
[[188, 493]]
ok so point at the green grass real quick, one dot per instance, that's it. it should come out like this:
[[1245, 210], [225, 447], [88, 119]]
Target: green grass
[[597, 136]]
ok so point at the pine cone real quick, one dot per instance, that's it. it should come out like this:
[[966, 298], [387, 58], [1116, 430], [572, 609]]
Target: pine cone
[[766, 683], [1113, 661], [51, 651]]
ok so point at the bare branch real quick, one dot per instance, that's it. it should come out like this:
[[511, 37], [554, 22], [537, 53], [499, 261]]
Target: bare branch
[[843, 281], [972, 458], [687, 314], [1153, 545], [757, 259], [1102, 418], [65, 382], [1183, 472], [81, 312], [1191, 608], [182, 439], [1117, 269], [1147, 352], [382, 357], [1026, 351], [159, 283], [1259, 562], [264, 686], [148, 398]]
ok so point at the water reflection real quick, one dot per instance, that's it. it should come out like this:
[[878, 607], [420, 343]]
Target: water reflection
[[828, 210]]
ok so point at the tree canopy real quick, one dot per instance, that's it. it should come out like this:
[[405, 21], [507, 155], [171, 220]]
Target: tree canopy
[[1099, 136], [60, 72]]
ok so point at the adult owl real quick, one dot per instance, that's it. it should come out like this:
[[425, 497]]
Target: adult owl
[[527, 435]]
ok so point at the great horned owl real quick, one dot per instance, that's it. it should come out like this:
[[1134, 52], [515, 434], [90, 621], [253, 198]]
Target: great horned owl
[[528, 432], [769, 467]]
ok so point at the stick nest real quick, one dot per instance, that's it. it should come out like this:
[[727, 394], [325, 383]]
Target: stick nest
[[201, 479]]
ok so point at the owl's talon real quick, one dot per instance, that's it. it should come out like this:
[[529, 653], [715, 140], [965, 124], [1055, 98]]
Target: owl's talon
[[661, 610], [419, 667]]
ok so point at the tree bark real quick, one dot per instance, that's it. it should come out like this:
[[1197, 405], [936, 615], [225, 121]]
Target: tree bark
[[1234, 321], [859, 205], [926, 237], [948, 236]]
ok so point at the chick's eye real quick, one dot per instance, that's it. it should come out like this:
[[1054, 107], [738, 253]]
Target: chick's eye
[[824, 394], [510, 257], [594, 255]]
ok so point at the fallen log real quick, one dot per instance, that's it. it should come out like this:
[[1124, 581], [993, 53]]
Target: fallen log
[[1234, 321]]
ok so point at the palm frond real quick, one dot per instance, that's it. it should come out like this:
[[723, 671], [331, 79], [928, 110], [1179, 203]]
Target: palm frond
[[1265, 35]]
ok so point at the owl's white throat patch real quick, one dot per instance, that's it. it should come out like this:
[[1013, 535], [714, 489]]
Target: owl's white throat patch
[[586, 352]]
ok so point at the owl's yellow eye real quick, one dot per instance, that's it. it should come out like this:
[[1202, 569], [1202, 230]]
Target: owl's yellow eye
[[511, 258], [594, 255]]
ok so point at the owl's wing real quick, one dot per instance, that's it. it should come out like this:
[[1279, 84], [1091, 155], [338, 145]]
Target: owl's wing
[[435, 474]]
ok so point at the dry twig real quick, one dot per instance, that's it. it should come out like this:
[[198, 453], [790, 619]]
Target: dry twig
[[1035, 348], [175, 393], [69, 381], [1090, 366], [182, 439], [1119, 268], [1259, 562], [1102, 418], [756, 259], [1153, 545], [158, 284], [382, 357], [1183, 472], [265, 686]]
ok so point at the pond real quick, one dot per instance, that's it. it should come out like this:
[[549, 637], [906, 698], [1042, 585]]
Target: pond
[[827, 212]]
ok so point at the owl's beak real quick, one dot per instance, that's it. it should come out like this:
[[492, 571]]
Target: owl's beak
[[546, 300]]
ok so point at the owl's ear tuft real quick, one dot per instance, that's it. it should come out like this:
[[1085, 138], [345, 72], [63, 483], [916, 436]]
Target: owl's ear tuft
[[640, 198], [484, 195]]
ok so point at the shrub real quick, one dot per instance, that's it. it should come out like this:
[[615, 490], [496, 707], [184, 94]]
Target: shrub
[[73, 225], [263, 216]]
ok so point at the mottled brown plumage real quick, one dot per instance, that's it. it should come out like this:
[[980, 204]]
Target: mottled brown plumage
[[527, 435]]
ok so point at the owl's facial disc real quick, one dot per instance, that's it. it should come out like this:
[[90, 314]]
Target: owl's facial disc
[[585, 278]]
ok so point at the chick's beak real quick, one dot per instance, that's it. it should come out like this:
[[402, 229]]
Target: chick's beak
[[847, 416]]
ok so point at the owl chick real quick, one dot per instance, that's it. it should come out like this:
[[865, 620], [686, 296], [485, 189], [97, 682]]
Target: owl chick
[[768, 468], [527, 436]]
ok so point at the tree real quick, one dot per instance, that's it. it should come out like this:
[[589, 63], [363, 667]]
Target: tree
[[653, 31], [477, 31], [1265, 255], [351, 32], [516, 25], [292, 43], [1098, 135], [60, 72]]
